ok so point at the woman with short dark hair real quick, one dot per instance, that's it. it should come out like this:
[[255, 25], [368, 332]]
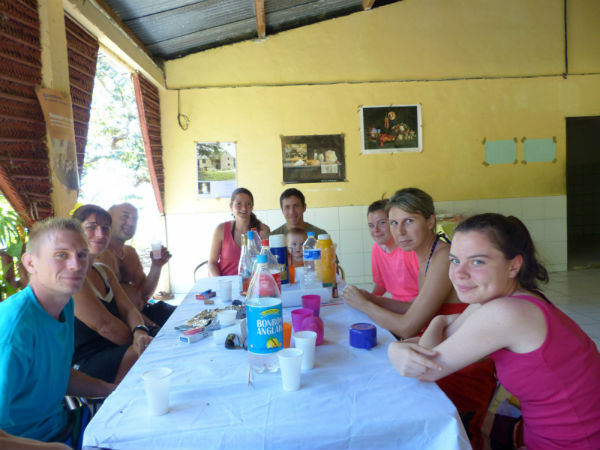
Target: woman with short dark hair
[[110, 333]]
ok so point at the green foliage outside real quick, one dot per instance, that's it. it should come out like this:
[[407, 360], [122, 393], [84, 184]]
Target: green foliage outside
[[12, 235], [114, 131]]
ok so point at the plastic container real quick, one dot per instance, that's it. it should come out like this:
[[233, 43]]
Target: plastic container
[[311, 278], [312, 263], [244, 267], [272, 263], [253, 251], [327, 260], [264, 319], [279, 250]]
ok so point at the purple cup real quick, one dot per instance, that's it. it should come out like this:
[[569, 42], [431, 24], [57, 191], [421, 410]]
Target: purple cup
[[312, 323], [312, 301], [298, 316]]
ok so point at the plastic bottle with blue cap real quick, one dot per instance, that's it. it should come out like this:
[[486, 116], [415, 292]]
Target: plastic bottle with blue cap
[[264, 319], [312, 263]]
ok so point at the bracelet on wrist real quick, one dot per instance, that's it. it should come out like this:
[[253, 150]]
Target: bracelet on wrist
[[141, 327]]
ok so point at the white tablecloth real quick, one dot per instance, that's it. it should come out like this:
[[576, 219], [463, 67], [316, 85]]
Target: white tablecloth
[[352, 399]]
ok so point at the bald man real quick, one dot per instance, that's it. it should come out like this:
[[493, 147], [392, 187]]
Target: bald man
[[125, 263]]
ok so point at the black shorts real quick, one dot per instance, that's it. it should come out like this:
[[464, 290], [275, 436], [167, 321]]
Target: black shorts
[[158, 312], [104, 364]]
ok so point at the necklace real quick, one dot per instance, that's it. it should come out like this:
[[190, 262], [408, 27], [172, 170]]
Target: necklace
[[438, 236], [122, 255]]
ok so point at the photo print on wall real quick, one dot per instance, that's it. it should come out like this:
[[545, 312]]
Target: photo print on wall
[[216, 164], [390, 129]]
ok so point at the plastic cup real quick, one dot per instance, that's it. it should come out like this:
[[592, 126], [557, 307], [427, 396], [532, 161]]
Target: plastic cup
[[298, 316], [156, 383], [227, 317], [306, 341], [290, 362], [225, 290], [156, 249], [287, 334], [312, 301], [312, 323]]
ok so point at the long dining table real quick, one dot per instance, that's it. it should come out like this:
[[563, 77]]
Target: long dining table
[[351, 399]]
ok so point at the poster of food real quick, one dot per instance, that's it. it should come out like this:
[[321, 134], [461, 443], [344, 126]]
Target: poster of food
[[389, 129], [216, 164], [313, 159]]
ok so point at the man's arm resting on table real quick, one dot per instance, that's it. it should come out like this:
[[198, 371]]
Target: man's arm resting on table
[[83, 385], [8, 441]]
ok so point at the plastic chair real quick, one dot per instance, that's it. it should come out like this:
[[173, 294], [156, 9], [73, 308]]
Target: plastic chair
[[203, 263], [340, 271]]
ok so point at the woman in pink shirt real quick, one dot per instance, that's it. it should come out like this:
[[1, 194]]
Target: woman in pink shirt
[[542, 356], [227, 240], [394, 270]]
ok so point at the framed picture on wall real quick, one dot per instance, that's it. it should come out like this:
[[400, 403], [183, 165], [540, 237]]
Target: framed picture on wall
[[216, 166], [313, 159], [389, 129]]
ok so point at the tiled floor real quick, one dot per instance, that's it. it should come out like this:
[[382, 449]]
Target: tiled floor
[[576, 292]]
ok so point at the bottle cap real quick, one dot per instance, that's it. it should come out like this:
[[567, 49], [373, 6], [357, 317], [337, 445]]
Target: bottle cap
[[250, 234], [324, 237], [261, 259], [310, 233], [264, 242], [277, 240], [363, 335]]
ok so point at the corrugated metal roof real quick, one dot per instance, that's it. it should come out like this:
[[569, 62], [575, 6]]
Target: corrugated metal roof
[[173, 28]]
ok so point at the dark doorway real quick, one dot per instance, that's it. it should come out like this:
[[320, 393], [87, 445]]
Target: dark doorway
[[583, 192]]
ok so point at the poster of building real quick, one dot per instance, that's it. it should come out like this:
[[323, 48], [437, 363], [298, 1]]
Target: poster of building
[[216, 165]]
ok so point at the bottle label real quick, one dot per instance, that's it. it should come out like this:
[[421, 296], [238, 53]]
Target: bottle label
[[265, 328]]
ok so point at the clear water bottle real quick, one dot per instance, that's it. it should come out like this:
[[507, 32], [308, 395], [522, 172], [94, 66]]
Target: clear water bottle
[[244, 266], [272, 263], [252, 251], [311, 278], [264, 319], [312, 263]]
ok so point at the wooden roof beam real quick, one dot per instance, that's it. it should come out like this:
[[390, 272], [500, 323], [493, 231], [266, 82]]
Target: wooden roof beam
[[367, 4], [259, 10]]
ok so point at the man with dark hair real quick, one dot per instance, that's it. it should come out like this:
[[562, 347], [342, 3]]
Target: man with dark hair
[[36, 343], [125, 263], [293, 206]]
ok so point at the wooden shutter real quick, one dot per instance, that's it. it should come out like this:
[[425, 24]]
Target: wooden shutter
[[24, 170], [148, 103]]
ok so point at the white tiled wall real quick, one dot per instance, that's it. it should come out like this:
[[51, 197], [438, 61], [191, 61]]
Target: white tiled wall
[[190, 235]]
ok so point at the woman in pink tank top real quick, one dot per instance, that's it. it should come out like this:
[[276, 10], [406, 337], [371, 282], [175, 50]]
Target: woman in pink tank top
[[225, 249], [541, 355]]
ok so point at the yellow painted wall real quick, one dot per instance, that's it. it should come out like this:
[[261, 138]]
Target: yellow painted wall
[[480, 70]]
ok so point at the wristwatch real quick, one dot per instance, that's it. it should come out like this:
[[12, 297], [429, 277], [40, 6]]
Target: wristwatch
[[141, 327]]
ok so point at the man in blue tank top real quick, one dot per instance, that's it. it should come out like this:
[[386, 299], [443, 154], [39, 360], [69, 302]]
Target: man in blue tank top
[[36, 343]]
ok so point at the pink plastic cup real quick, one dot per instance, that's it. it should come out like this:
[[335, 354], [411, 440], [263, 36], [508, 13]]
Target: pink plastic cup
[[312, 301], [312, 323], [298, 316]]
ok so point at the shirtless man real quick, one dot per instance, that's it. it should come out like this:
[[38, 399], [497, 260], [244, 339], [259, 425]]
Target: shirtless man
[[126, 264]]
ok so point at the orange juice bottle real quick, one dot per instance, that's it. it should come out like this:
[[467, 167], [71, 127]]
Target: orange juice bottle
[[327, 260]]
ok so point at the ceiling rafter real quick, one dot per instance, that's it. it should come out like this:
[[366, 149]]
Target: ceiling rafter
[[367, 4], [261, 25]]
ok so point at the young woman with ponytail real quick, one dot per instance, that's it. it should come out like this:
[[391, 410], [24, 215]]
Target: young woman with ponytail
[[542, 357]]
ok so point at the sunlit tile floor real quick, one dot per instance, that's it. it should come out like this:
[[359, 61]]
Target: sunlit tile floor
[[577, 293]]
